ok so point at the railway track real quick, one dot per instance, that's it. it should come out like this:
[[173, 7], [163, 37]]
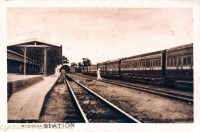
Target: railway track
[[93, 108], [158, 91], [59, 107]]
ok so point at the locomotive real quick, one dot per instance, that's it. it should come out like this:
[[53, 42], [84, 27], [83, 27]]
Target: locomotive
[[170, 67]]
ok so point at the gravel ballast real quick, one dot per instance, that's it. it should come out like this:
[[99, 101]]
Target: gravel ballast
[[148, 108]]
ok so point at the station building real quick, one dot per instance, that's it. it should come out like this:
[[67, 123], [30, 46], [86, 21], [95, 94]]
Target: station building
[[33, 57]]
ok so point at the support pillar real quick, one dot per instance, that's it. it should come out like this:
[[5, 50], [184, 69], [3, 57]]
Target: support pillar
[[45, 61], [24, 60]]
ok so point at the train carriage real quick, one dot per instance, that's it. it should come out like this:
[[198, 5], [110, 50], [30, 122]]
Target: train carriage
[[171, 67], [92, 70], [84, 70], [179, 66], [144, 68], [102, 67], [113, 68]]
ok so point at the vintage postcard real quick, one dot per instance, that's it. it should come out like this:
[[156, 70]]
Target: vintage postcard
[[100, 65]]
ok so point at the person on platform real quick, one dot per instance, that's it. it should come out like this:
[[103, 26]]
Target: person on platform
[[62, 76], [98, 74]]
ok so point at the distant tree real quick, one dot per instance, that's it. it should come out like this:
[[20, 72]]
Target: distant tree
[[65, 60], [86, 62], [79, 65]]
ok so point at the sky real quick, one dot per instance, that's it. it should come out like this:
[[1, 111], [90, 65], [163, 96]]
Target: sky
[[102, 34]]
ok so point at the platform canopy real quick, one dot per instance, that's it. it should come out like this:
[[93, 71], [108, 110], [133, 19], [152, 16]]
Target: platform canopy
[[47, 54]]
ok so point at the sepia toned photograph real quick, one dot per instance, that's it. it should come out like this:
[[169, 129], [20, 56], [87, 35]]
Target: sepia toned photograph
[[99, 65]]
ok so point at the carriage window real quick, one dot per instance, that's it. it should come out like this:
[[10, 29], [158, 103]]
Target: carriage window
[[175, 62], [147, 63], [171, 62], [156, 62], [167, 62], [159, 62], [184, 60]]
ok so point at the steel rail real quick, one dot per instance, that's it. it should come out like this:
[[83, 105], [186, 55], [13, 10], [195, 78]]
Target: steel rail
[[185, 99], [181, 97], [107, 102], [138, 85], [77, 103], [148, 88]]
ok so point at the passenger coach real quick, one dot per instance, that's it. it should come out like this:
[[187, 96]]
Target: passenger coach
[[171, 67], [179, 66], [148, 67], [92, 70], [113, 69], [103, 67]]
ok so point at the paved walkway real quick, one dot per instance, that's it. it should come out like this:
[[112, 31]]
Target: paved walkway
[[27, 103]]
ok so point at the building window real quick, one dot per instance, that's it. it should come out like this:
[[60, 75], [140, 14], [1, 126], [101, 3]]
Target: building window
[[184, 61], [189, 60]]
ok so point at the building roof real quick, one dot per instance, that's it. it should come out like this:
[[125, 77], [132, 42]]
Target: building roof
[[32, 42]]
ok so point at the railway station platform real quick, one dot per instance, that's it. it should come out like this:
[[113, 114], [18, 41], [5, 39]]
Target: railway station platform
[[18, 82], [27, 104]]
